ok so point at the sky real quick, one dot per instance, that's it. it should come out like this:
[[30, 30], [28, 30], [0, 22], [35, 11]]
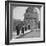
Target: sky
[[18, 13]]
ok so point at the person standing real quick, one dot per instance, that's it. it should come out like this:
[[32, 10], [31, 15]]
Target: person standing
[[29, 27], [18, 30], [23, 29]]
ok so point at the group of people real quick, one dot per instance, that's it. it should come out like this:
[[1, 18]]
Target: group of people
[[22, 29]]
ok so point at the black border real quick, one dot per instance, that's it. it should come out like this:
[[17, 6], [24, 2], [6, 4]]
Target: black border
[[7, 28], [7, 17]]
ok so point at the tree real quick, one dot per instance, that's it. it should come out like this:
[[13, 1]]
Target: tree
[[31, 17]]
